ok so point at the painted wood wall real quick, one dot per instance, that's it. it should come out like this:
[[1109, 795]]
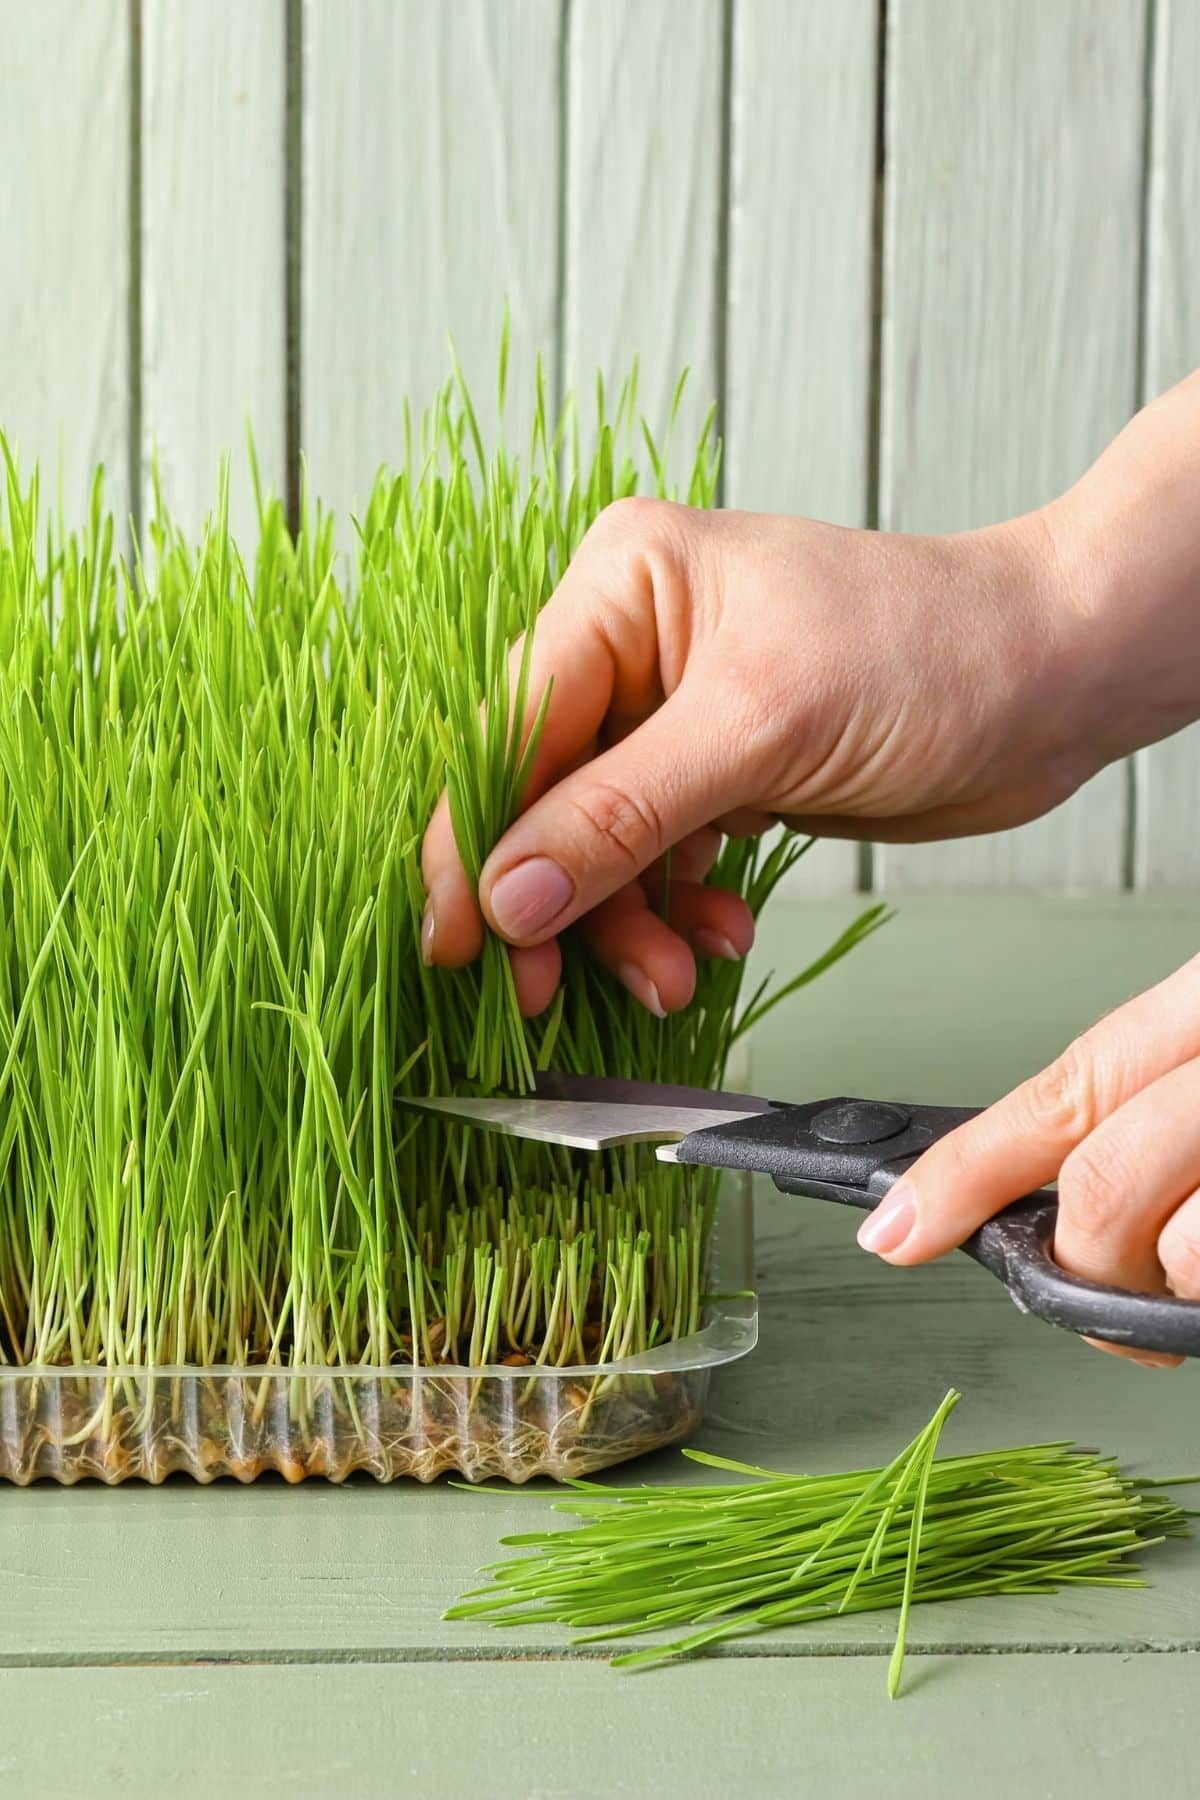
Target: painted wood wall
[[926, 255]]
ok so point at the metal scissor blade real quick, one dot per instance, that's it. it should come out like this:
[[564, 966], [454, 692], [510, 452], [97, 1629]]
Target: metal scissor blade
[[553, 1086], [550, 1085], [585, 1124]]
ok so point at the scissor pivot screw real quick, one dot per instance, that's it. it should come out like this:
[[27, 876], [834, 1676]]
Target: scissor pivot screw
[[859, 1122]]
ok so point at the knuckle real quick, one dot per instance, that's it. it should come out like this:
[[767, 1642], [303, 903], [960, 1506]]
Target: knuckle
[[1060, 1099], [1095, 1189], [627, 824], [636, 565], [635, 517]]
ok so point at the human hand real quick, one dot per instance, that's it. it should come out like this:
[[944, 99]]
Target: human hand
[[720, 671], [1116, 1119]]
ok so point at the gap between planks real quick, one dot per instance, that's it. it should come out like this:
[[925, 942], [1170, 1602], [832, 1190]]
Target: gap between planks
[[371, 1656]]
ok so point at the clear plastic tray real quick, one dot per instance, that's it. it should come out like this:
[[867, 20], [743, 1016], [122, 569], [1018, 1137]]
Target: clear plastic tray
[[112, 1425]]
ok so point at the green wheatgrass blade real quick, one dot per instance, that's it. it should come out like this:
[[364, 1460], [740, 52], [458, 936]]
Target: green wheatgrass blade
[[923, 1462], [732, 1560], [216, 767]]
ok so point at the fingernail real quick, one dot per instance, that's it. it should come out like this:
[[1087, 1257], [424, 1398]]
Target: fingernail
[[642, 988], [531, 896], [428, 931], [886, 1228], [711, 943]]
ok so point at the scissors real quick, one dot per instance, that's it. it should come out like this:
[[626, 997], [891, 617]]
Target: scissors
[[841, 1149]]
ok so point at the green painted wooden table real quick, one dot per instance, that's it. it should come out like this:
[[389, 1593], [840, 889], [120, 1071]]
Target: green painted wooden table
[[274, 1640]]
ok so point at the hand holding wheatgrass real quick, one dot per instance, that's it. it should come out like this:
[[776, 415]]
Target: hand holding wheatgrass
[[719, 672]]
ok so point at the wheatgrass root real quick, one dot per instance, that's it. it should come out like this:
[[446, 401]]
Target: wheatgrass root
[[210, 1426]]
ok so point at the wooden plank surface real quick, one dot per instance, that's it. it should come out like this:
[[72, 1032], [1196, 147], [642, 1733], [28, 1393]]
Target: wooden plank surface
[[1168, 795], [801, 202], [212, 250], [431, 195], [1013, 220], [65, 94], [801, 216], [643, 272], [951, 1003], [802, 193], [813, 1726]]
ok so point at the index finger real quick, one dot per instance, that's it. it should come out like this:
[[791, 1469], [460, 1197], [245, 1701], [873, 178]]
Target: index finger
[[1022, 1141], [596, 648]]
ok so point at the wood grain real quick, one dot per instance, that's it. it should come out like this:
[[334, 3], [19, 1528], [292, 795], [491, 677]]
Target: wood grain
[[64, 243], [797, 426], [212, 253], [431, 195], [643, 272], [532, 1730], [1014, 155], [952, 1002], [801, 213], [1168, 793]]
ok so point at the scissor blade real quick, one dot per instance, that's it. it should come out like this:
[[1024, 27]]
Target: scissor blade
[[584, 1124], [553, 1086]]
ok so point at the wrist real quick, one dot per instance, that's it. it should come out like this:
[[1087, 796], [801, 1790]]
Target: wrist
[[1045, 662], [1126, 542]]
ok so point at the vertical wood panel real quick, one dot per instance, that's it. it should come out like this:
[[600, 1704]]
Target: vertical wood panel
[[212, 248], [802, 205], [1011, 323], [431, 184], [1168, 845], [64, 241], [643, 254], [802, 211]]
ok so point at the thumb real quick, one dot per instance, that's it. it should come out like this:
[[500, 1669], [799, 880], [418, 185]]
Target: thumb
[[600, 826]]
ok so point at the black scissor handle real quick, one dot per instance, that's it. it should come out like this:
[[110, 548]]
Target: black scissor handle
[[854, 1151], [1015, 1248]]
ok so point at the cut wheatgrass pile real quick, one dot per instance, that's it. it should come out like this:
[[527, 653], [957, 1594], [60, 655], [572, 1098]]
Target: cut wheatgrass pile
[[724, 1562], [216, 767]]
